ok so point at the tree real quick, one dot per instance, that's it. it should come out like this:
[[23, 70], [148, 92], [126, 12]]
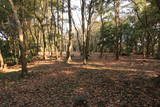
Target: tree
[[91, 8], [33, 27], [41, 19], [117, 29], [158, 4], [86, 29], [21, 40], [69, 47], [1, 61], [83, 30]]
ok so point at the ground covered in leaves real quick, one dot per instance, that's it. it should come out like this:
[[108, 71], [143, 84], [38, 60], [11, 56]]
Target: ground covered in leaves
[[104, 82]]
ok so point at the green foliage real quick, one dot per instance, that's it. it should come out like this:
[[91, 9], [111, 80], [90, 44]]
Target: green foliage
[[157, 56], [107, 37], [29, 58], [5, 47]]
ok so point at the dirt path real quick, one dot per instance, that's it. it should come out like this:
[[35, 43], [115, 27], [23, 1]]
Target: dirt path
[[102, 83]]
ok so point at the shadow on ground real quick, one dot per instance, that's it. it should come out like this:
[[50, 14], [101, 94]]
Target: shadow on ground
[[57, 83]]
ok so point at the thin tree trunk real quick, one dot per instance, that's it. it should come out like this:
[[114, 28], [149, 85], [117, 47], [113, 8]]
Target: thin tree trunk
[[36, 32], [102, 28], [33, 38], [148, 39], [83, 31], [37, 40], [152, 47], [58, 29], [90, 13], [158, 50], [61, 41], [148, 46], [51, 27], [21, 40], [77, 33], [44, 44], [1, 61], [101, 51], [117, 20], [69, 47], [55, 31]]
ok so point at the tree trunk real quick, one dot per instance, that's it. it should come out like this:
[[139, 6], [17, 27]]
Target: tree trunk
[[148, 46], [55, 31], [77, 33], [37, 40], [21, 40], [101, 51], [1, 61], [146, 29], [69, 47], [44, 44], [83, 31], [61, 41], [117, 32], [101, 32], [36, 32], [152, 48], [58, 29], [158, 4], [158, 50], [90, 13]]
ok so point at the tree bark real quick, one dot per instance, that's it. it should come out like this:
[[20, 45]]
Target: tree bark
[[44, 44], [21, 40], [61, 41], [90, 13], [158, 50], [55, 31], [1, 61], [83, 31], [69, 47], [102, 28], [117, 32], [77, 33], [58, 29]]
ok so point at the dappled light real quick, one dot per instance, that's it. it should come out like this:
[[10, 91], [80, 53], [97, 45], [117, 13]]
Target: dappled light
[[79, 90], [79, 53], [67, 72], [94, 80]]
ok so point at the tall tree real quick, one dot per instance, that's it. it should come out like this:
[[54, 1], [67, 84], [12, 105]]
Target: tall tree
[[41, 18], [101, 12], [21, 40], [89, 26], [62, 28], [69, 46], [83, 30], [117, 29]]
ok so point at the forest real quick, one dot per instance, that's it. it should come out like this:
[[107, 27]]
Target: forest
[[79, 53]]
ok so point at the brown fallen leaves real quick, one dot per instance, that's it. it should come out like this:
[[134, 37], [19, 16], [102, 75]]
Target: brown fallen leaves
[[102, 83]]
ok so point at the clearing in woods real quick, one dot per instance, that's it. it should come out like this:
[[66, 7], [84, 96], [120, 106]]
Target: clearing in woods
[[131, 81]]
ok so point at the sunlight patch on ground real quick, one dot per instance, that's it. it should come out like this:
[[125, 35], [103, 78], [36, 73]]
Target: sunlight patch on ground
[[79, 90], [152, 75], [111, 68], [12, 70], [17, 68], [68, 72], [97, 63], [75, 63]]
